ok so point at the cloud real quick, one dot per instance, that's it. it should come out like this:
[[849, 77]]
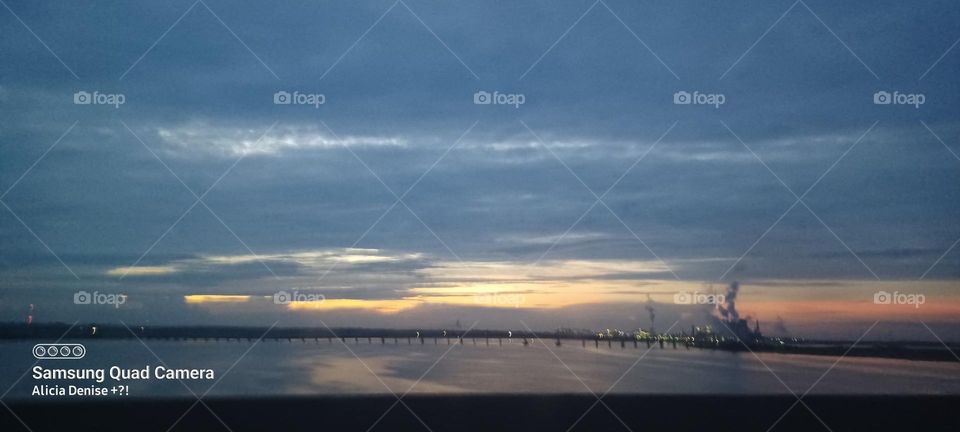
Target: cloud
[[314, 261], [143, 271], [235, 141], [500, 198]]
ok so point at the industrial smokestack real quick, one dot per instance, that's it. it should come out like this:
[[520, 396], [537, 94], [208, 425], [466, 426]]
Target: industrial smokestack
[[652, 312], [729, 310]]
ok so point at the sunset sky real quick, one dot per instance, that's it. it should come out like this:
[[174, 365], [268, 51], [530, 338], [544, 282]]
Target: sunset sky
[[406, 204]]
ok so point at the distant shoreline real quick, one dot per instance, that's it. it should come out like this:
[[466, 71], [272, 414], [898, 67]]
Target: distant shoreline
[[905, 350]]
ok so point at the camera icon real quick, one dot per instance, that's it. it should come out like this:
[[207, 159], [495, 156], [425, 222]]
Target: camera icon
[[882, 297], [482, 98], [82, 298], [282, 298], [282, 98], [882, 98], [682, 298], [82, 98], [682, 98]]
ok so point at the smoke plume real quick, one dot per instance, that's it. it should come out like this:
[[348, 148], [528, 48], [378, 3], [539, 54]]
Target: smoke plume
[[729, 309]]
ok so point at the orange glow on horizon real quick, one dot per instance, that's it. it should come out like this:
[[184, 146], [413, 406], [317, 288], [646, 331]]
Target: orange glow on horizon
[[216, 298]]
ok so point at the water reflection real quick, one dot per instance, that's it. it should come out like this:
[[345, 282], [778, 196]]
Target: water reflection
[[284, 368]]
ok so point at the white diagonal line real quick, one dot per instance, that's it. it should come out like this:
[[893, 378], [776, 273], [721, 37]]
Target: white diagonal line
[[39, 40], [558, 358], [49, 149], [784, 384], [399, 399], [415, 215], [755, 155], [37, 361], [940, 259], [438, 360], [824, 374], [178, 379], [757, 241], [637, 361], [938, 60], [859, 339], [39, 239], [839, 40], [815, 183], [604, 194], [835, 163], [399, 199], [25, 374], [363, 35], [439, 40], [559, 39], [634, 234], [600, 401], [238, 39], [599, 198], [840, 240], [639, 40], [624, 374], [801, 201], [938, 139], [201, 201], [197, 201], [940, 340], [242, 243], [799, 198], [135, 63], [224, 374], [640, 159], [16, 416], [817, 17], [15, 215], [739, 59], [565, 233]]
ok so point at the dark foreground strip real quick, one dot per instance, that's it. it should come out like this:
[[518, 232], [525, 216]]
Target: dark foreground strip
[[495, 413]]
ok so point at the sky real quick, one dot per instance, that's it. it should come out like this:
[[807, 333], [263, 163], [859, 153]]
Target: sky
[[400, 201]]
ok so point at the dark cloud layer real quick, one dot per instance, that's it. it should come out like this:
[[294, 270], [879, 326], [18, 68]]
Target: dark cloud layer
[[398, 98]]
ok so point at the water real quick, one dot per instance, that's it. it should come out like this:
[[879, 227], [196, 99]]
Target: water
[[285, 368]]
